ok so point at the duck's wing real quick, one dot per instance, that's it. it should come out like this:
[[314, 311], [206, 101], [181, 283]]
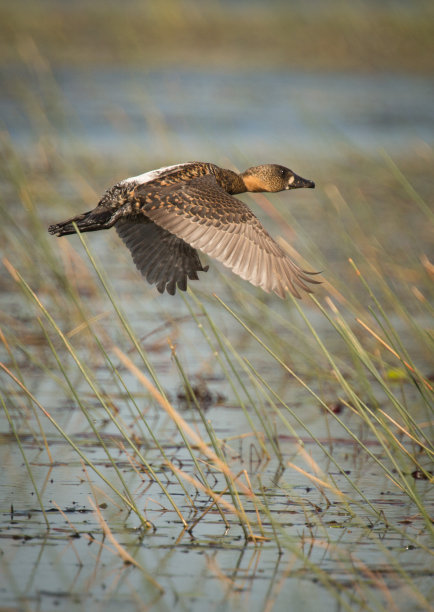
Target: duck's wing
[[206, 217], [162, 257]]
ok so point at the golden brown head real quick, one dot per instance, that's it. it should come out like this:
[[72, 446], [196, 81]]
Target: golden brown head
[[272, 177]]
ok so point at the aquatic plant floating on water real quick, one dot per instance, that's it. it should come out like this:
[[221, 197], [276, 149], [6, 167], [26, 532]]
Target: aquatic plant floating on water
[[164, 215]]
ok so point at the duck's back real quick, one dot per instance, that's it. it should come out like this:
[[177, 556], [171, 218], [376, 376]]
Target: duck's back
[[170, 174]]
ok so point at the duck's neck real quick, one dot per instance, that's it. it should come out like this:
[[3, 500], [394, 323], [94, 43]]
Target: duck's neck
[[231, 181]]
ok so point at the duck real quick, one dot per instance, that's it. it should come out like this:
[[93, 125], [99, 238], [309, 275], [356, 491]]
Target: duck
[[167, 215]]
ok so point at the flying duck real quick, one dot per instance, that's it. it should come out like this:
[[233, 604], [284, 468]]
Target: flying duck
[[164, 215]]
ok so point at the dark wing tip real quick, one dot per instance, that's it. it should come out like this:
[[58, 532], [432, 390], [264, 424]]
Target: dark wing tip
[[161, 257]]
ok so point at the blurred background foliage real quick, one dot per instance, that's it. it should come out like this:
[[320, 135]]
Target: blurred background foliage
[[362, 35]]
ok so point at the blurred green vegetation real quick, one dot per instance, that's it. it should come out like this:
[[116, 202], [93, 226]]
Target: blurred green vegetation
[[331, 35]]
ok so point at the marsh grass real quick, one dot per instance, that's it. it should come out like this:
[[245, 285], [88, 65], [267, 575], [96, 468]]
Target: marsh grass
[[336, 34]]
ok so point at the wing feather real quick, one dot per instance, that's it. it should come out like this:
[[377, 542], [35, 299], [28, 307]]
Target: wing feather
[[202, 215], [161, 257]]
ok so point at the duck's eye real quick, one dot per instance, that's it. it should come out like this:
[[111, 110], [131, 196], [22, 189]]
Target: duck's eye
[[282, 171]]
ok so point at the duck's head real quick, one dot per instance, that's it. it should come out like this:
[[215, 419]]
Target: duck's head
[[272, 177]]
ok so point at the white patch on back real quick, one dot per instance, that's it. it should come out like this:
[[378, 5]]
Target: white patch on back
[[147, 177]]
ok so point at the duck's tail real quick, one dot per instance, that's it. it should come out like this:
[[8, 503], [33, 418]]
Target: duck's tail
[[97, 219]]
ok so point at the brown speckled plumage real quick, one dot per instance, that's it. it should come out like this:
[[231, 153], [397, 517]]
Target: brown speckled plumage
[[163, 216]]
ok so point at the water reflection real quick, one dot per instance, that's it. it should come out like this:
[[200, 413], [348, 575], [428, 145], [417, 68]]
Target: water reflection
[[191, 115]]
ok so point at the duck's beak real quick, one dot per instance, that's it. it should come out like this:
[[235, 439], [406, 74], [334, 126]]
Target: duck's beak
[[296, 182]]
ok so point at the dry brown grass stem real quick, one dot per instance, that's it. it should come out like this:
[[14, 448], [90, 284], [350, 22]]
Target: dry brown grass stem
[[180, 422], [394, 353], [120, 550]]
